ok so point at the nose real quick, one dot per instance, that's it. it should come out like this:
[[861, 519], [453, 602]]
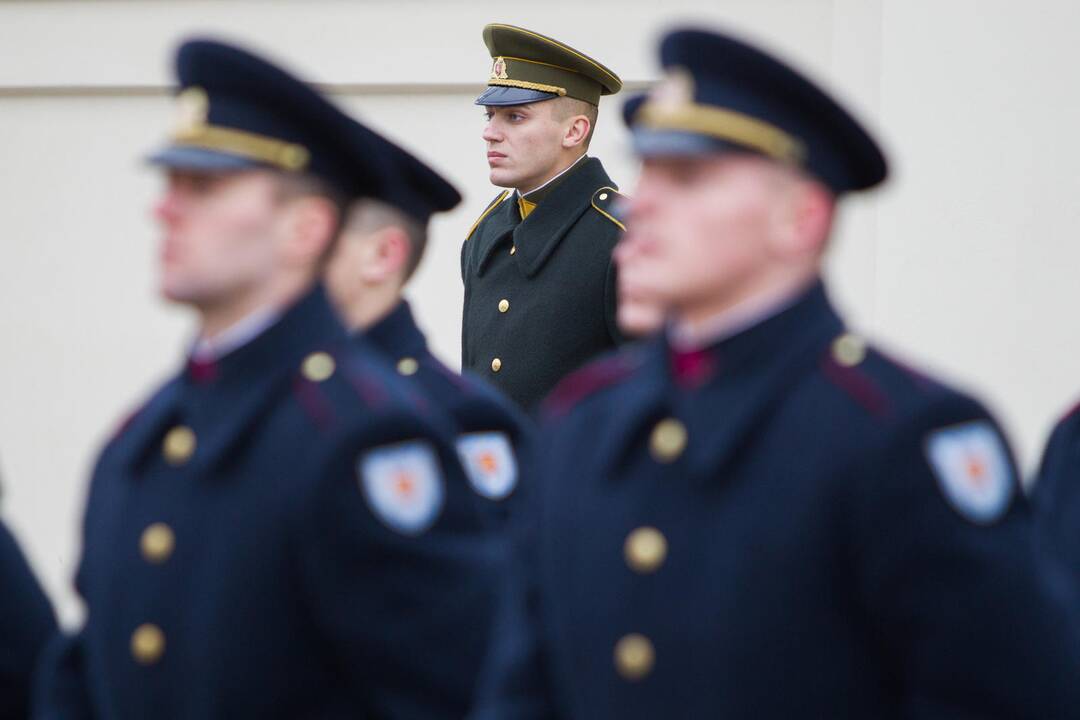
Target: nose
[[167, 208], [490, 134]]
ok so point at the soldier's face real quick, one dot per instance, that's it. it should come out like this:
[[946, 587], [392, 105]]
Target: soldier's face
[[701, 231], [221, 235], [524, 144]]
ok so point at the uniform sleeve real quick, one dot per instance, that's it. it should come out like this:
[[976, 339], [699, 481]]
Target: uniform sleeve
[[611, 303], [515, 682], [401, 593], [966, 612], [26, 625]]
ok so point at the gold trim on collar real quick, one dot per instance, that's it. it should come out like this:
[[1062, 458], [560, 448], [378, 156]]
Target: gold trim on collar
[[281, 154], [725, 125], [525, 207], [529, 86]]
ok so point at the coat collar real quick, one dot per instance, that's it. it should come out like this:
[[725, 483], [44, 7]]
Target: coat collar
[[537, 236], [232, 391], [396, 334], [721, 393]]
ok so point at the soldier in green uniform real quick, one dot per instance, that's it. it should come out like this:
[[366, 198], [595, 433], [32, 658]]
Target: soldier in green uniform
[[537, 268]]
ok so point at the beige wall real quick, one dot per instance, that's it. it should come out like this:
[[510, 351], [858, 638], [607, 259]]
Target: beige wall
[[966, 262]]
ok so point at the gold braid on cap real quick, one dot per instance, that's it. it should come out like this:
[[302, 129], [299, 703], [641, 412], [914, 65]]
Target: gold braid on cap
[[529, 86]]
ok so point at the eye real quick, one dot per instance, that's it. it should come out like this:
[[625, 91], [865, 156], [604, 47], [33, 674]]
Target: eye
[[517, 117], [488, 115]]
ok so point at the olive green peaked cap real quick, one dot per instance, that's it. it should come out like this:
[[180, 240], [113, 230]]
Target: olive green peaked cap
[[529, 67]]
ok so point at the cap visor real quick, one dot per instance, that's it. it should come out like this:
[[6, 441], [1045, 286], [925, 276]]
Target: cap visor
[[499, 95], [660, 143], [194, 158]]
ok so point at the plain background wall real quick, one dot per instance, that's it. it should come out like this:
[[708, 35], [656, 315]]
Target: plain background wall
[[964, 263]]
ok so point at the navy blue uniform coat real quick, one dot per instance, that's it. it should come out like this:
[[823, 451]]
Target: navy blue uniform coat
[[283, 594], [26, 624], [813, 567]]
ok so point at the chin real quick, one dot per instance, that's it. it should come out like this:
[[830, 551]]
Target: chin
[[501, 178]]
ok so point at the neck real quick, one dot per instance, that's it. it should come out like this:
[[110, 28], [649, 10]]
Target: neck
[[217, 317], [559, 169], [727, 314], [375, 304]]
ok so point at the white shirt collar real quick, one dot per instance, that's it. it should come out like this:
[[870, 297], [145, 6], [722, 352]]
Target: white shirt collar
[[235, 336], [537, 189], [729, 323]]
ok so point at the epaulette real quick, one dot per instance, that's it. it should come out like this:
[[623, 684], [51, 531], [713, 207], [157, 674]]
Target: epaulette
[[320, 371], [494, 204], [605, 200], [842, 365], [592, 378]]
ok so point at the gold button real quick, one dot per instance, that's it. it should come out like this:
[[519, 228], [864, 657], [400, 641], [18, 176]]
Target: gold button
[[407, 366], [179, 445], [513, 249], [504, 305], [668, 440], [157, 543], [645, 549], [147, 644], [318, 366], [603, 196], [849, 350], [634, 656], [496, 365]]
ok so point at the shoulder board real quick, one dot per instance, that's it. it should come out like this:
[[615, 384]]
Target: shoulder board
[[842, 365], [604, 201], [494, 204], [592, 378]]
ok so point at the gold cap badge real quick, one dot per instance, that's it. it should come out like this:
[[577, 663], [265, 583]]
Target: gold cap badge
[[498, 69]]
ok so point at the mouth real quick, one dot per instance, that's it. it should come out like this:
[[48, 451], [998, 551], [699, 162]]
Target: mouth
[[494, 157]]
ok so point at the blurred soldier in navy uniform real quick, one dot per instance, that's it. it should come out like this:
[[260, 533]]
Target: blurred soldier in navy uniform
[[281, 531], [1056, 495], [758, 515], [539, 279], [381, 245], [26, 625]]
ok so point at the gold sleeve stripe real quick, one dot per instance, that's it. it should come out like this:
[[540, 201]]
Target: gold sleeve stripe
[[281, 154], [487, 212], [725, 125], [562, 47], [529, 86], [603, 212]]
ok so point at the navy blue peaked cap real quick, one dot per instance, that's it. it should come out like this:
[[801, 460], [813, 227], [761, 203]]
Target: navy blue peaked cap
[[413, 187], [721, 94], [236, 110]]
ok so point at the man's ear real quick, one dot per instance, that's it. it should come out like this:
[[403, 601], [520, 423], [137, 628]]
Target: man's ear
[[577, 130], [386, 256], [803, 223]]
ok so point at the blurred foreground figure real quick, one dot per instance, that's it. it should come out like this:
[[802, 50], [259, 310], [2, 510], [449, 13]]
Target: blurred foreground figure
[[381, 245], [1056, 495], [26, 624], [757, 515], [281, 531]]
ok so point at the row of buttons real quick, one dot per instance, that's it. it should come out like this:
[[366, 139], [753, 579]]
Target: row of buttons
[[645, 551]]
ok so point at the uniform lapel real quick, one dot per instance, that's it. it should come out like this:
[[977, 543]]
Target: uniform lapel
[[537, 237], [494, 229], [147, 425], [753, 373], [258, 374]]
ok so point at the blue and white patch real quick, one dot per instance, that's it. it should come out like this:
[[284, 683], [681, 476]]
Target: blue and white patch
[[489, 462], [403, 485], [973, 469]]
